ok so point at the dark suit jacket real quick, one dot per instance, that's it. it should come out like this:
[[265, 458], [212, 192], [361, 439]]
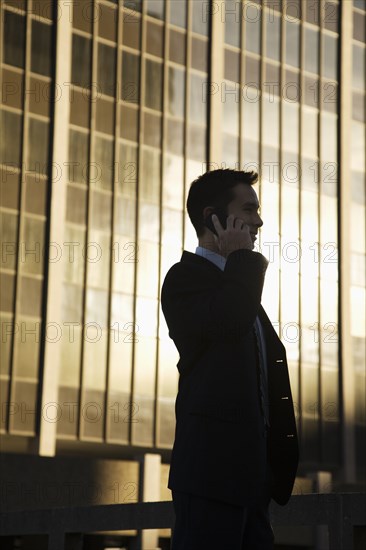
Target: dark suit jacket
[[219, 447]]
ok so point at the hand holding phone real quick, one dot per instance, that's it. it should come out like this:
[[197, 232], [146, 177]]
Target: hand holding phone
[[222, 216], [234, 234]]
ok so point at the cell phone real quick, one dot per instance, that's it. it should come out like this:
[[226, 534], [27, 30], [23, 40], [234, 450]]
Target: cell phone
[[222, 216]]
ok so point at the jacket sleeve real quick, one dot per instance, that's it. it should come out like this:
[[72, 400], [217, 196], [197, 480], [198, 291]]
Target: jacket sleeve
[[194, 308]]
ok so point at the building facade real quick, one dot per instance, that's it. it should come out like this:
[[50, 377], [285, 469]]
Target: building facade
[[109, 110]]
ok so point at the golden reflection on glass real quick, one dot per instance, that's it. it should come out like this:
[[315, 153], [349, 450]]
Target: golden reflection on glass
[[357, 231], [168, 372], [146, 316], [358, 308], [173, 181], [147, 269], [95, 357], [144, 367], [124, 263], [172, 227], [289, 218]]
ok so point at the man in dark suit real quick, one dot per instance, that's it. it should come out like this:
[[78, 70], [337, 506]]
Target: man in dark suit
[[235, 442]]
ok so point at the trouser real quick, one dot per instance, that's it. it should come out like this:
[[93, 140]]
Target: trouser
[[209, 524]]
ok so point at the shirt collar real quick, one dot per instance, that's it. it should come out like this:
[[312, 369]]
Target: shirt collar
[[215, 258]]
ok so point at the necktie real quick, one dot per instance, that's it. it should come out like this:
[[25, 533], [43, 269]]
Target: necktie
[[263, 391]]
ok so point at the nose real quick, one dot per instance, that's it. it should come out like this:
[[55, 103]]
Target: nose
[[260, 221]]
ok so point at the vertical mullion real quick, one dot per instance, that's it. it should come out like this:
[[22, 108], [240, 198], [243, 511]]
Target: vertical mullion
[[139, 161], [186, 113], [241, 75], [301, 114], [92, 108], [115, 171], [24, 156], [320, 174], [156, 432]]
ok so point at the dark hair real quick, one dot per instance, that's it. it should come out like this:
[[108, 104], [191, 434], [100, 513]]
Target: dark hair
[[214, 188]]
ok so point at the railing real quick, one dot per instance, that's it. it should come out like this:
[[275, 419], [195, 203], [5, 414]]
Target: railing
[[341, 512]]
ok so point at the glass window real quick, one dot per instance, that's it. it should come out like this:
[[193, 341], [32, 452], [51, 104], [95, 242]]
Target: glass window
[[106, 69], [154, 38], [331, 17], [309, 173], [148, 221], [361, 4], [293, 43], [130, 90], [233, 18], [290, 126], [309, 132], [196, 143], [198, 98], [173, 181], [152, 130], [230, 150], [358, 107], [76, 205], [38, 146], [176, 92], [200, 16], [328, 138], [270, 121], [129, 123], [358, 146], [271, 82], [80, 108], [14, 39], [127, 169], [359, 27], [149, 183], [33, 242], [178, 13], [358, 273], [9, 190], [359, 61], [96, 310], [312, 11], [153, 85], [11, 138], [252, 71], [131, 35], [175, 137], [9, 227], [251, 120], [36, 195], [81, 60], [101, 170], [107, 19], [101, 210], [134, 5], [273, 39], [155, 8], [199, 54], [30, 296], [311, 50], [78, 157], [125, 223], [104, 120], [311, 93], [41, 48], [330, 57], [177, 47], [358, 187], [232, 66], [231, 101], [252, 31]]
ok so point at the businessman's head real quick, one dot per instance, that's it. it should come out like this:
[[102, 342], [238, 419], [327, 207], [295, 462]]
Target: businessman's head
[[230, 191]]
